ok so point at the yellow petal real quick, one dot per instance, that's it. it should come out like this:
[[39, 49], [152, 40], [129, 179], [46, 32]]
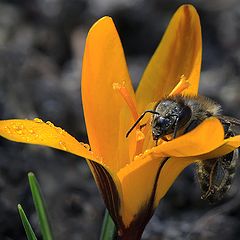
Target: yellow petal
[[137, 180], [38, 132], [203, 139], [227, 146], [170, 171], [179, 53], [110, 188], [104, 66]]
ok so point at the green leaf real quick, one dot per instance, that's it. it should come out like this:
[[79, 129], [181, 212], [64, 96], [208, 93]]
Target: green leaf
[[108, 231], [40, 207], [27, 226]]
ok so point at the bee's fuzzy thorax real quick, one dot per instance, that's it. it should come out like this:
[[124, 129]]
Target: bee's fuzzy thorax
[[201, 106]]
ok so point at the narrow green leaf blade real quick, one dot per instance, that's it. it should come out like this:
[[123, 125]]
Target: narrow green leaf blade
[[40, 207], [27, 226], [108, 231]]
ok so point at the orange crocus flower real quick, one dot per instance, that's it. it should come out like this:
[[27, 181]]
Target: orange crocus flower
[[132, 173]]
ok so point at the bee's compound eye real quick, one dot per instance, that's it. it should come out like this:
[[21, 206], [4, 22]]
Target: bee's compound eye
[[162, 122]]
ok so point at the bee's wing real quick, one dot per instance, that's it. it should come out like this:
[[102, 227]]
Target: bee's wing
[[230, 120], [232, 124]]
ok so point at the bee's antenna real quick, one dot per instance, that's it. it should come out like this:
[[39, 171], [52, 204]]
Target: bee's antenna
[[139, 119]]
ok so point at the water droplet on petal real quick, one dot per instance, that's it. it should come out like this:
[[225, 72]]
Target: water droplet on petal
[[116, 86], [31, 131], [85, 145], [147, 151], [7, 129], [60, 130], [49, 123], [62, 145], [37, 120], [18, 129], [136, 158]]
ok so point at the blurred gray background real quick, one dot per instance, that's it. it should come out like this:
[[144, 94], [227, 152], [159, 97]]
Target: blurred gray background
[[41, 48]]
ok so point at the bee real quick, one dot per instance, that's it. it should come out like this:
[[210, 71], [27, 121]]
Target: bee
[[177, 115]]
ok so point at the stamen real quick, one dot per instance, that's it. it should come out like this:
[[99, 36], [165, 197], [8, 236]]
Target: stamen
[[133, 109], [127, 98], [139, 135], [181, 86]]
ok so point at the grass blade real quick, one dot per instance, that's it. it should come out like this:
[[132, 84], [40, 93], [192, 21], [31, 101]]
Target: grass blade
[[108, 231], [40, 207], [27, 226]]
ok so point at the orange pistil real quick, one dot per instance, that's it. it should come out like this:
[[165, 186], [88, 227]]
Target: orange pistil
[[181, 86], [139, 141], [133, 109], [127, 98]]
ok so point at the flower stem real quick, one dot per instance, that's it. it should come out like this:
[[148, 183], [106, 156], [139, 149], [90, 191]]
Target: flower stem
[[108, 231]]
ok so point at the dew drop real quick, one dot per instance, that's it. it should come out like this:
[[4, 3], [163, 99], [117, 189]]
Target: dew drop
[[136, 158], [116, 86], [7, 129], [31, 131], [49, 123], [147, 151], [37, 120], [62, 145], [85, 145], [18, 129], [60, 130]]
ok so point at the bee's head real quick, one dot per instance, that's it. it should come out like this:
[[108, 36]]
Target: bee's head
[[171, 116]]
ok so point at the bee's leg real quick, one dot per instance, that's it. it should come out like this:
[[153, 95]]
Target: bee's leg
[[212, 186], [227, 128], [209, 192], [175, 129]]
